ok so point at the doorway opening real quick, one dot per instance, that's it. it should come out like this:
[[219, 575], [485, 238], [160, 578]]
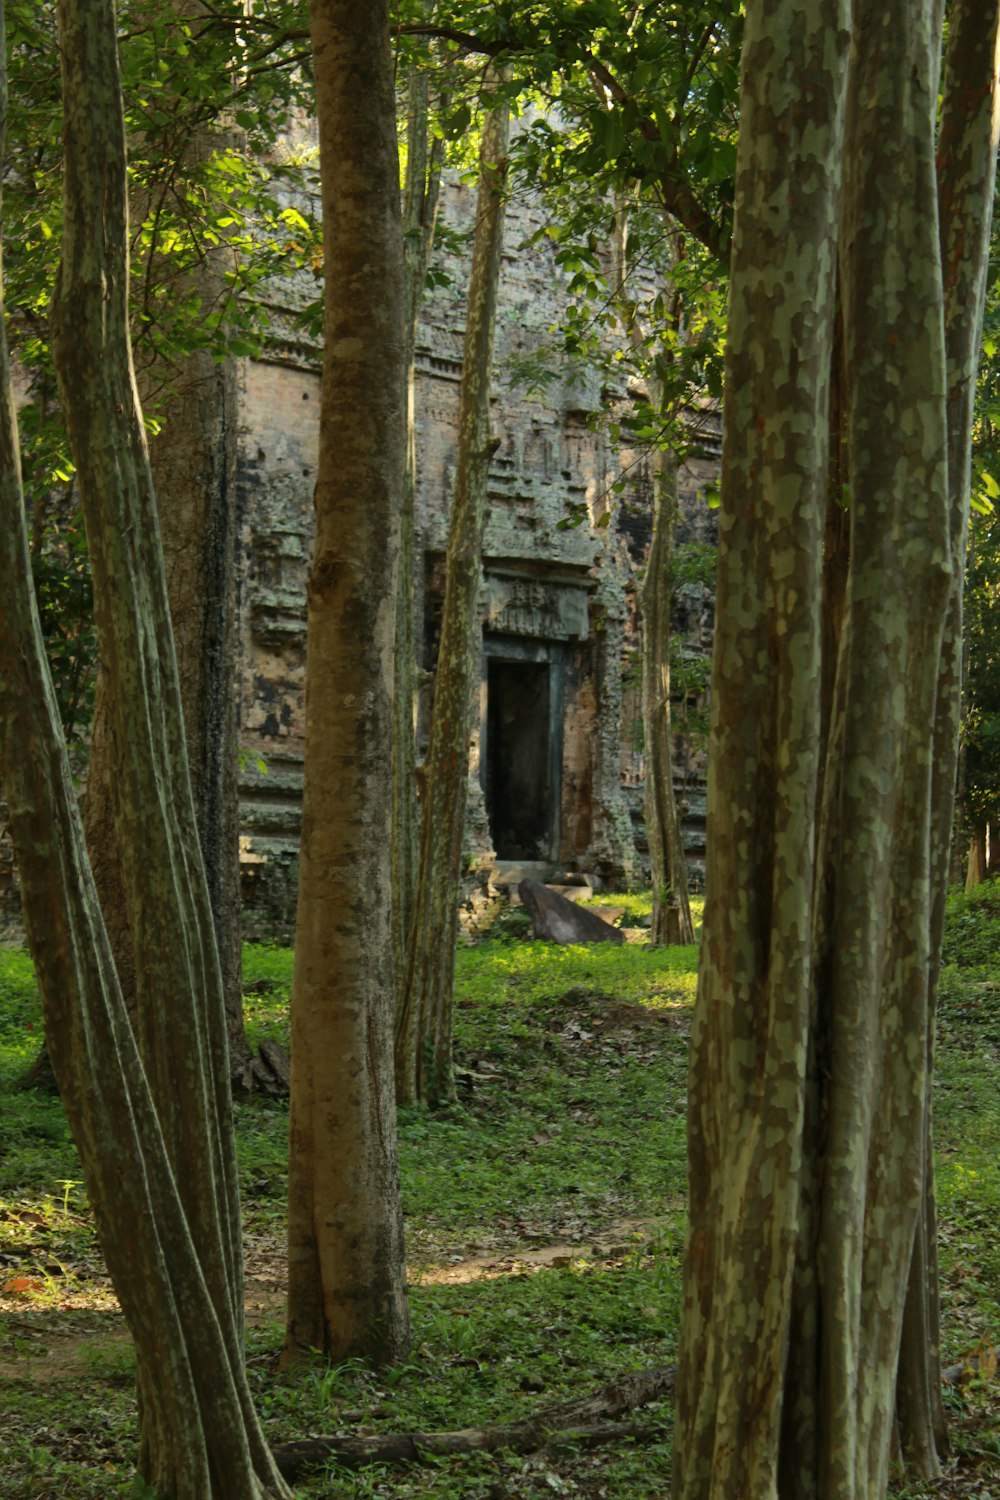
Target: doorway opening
[[518, 759]]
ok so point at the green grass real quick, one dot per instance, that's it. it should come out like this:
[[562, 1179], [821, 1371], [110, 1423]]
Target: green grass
[[561, 1171]]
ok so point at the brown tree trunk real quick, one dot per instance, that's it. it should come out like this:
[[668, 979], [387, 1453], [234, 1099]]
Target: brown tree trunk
[[975, 868], [868, 1102], [156, 1142], [966, 159], [671, 901], [424, 157], [424, 1020], [346, 1276], [193, 460], [671, 915]]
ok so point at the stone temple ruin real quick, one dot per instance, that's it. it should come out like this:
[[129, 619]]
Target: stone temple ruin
[[555, 769], [555, 782]]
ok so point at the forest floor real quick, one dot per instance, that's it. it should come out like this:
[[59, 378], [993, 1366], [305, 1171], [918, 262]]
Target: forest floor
[[545, 1222]]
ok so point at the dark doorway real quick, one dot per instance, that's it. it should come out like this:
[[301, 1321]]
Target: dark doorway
[[518, 761]]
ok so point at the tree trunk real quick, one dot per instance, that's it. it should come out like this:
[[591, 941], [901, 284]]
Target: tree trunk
[[671, 902], [975, 869], [809, 1409], [156, 1143], [424, 1020], [966, 159], [193, 460], [871, 1093], [346, 1276], [671, 917], [420, 197], [750, 1030]]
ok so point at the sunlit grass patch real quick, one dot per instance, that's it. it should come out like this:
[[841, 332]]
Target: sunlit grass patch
[[20, 1014], [267, 989]]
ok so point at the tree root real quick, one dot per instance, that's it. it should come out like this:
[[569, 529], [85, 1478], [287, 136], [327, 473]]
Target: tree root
[[575, 1424], [266, 1071]]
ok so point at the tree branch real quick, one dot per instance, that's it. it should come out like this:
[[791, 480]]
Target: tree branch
[[577, 1423]]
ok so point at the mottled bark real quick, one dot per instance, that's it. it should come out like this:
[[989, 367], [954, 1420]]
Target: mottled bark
[[857, 1134], [966, 166], [424, 157], [869, 1096], [346, 1280], [750, 1033], [159, 1161], [424, 1021]]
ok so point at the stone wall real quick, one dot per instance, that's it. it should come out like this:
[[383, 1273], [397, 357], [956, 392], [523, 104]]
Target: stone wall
[[558, 613], [561, 555]]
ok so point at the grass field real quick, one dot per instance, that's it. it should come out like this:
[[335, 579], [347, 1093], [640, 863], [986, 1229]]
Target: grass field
[[545, 1219]]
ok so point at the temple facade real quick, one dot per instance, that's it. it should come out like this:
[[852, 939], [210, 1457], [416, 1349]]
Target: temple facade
[[555, 749], [555, 773]]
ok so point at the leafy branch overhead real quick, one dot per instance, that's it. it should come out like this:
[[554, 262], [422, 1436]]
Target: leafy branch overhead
[[633, 94]]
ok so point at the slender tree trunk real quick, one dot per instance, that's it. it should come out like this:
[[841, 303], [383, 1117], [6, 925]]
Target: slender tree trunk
[[975, 868], [420, 197], [424, 1021], [671, 902], [966, 164], [671, 919], [749, 1038], [346, 1275], [193, 461], [159, 1158]]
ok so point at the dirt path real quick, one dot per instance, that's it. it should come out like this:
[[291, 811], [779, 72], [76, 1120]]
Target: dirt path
[[86, 1335]]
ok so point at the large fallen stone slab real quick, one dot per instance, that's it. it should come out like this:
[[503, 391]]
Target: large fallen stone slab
[[561, 921]]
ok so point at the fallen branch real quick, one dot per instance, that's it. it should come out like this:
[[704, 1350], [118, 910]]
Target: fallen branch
[[569, 1423]]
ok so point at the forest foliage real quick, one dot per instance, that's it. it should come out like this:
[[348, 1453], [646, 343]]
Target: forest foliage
[[555, 1078]]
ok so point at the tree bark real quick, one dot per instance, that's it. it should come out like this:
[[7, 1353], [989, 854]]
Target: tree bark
[[424, 1020], [158, 1157], [424, 157], [346, 1276], [852, 1070], [975, 868], [193, 461], [751, 1023], [966, 166], [850, 1066], [873, 910], [671, 915], [671, 919]]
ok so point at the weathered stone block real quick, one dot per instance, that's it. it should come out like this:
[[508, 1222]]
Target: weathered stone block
[[561, 921]]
